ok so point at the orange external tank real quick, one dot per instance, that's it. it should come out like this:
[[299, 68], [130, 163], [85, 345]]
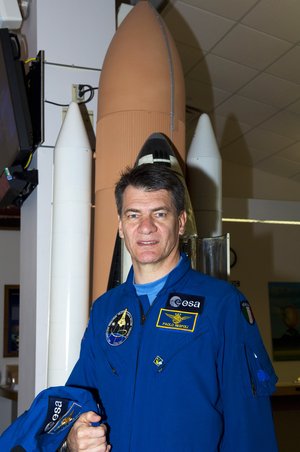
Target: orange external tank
[[141, 91]]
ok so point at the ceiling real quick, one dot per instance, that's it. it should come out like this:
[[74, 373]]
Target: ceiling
[[241, 61]]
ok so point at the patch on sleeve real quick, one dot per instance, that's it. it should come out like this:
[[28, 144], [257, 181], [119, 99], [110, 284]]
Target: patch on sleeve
[[247, 312], [61, 413]]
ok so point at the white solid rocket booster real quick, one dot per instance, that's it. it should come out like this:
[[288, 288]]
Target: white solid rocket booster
[[204, 179], [70, 260]]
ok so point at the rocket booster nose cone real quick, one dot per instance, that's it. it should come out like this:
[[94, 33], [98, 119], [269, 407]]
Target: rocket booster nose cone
[[204, 173], [73, 132], [204, 143]]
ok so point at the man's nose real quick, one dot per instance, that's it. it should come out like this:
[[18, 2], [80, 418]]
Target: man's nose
[[147, 225]]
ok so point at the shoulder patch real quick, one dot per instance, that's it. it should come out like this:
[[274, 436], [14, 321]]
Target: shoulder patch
[[247, 312]]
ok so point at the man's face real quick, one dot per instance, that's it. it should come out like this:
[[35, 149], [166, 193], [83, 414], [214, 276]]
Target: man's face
[[151, 227]]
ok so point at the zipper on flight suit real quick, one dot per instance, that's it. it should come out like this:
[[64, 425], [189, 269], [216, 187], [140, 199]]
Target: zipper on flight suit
[[143, 315], [142, 321], [252, 382], [143, 318]]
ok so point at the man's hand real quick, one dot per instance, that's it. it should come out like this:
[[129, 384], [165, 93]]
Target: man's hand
[[83, 436]]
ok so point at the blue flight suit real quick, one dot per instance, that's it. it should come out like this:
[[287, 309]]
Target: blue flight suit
[[46, 424], [190, 375]]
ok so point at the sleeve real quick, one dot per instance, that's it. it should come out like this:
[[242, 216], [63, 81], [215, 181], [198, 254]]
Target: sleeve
[[45, 425], [247, 380]]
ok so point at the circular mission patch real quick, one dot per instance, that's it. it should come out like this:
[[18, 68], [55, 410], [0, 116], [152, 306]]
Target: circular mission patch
[[119, 328]]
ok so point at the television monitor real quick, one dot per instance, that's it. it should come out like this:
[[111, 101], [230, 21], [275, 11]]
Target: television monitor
[[16, 131], [36, 97]]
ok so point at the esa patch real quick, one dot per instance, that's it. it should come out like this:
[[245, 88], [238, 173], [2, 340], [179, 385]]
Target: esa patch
[[247, 312], [119, 328], [61, 413], [176, 320], [183, 302]]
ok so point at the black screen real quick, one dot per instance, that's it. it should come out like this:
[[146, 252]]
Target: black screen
[[16, 136]]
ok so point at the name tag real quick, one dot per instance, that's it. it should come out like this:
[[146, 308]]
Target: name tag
[[177, 320]]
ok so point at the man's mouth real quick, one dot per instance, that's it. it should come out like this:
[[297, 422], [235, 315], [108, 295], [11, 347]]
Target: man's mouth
[[147, 242]]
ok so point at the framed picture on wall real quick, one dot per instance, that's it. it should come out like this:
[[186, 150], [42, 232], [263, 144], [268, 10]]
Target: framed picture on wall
[[284, 298], [11, 320]]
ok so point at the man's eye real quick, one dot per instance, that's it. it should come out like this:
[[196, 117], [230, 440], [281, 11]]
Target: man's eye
[[132, 216], [161, 214]]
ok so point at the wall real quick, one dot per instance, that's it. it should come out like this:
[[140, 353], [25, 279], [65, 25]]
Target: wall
[[268, 252], [245, 182], [265, 253], [8, 412], [9, 274]]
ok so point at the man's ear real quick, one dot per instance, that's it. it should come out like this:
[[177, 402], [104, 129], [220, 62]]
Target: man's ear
[[121, 235], [182, 222]]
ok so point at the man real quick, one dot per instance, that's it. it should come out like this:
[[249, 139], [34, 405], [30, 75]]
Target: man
[[174, 355]]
